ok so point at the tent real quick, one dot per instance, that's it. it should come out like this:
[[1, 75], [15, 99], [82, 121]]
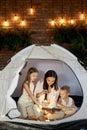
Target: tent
[[69, 70]]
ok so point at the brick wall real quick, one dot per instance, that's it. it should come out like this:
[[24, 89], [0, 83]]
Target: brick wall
[[45, 10], [5, 56]]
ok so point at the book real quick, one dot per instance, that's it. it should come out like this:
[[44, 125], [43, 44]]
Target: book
[[51, 108]]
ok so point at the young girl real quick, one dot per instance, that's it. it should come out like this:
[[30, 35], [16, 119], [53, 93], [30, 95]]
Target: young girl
[[48, 90], [65, 102], [27, 98]]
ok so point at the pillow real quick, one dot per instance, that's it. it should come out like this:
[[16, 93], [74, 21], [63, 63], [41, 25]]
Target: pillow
[[13, 113]]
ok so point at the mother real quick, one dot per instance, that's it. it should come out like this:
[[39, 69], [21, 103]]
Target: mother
[[48, 90]]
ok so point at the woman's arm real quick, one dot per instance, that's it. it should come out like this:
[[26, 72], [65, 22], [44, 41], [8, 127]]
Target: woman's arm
[[30, 94], [41, 93]]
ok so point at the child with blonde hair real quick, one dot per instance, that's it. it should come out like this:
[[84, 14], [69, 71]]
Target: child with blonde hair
[[65, 102]]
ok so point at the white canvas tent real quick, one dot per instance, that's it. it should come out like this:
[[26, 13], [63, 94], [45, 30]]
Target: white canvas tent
[[69, 71]]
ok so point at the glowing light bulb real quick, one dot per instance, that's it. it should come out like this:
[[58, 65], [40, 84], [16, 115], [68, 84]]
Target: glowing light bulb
[[45, 100], [72, 21], [82, 16], [31, 11], [52, 22], [62, 21], [15, 18], [23, 23], [47, 120], [6, 23]]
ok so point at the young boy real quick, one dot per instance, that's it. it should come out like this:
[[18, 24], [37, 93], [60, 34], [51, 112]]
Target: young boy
[[65, 102]]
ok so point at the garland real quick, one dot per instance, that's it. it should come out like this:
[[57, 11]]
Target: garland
[[15, 38], [75, 36]]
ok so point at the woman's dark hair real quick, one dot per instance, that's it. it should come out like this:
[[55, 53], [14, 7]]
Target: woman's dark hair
[[51, 73]]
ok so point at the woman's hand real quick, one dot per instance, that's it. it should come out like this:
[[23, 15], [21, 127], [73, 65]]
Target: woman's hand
[[41, 93]]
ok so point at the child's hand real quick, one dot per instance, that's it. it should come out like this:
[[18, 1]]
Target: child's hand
[[65, 108], [45, 91], [52, 111], [40, 106]]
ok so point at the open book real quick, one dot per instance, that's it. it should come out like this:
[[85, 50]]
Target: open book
[[51, 108]]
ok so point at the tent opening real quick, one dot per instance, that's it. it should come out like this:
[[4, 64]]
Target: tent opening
[[66, 76]]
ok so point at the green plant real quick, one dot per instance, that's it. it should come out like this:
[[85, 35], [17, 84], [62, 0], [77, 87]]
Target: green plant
[[1, 40], [15, 38], [75, 36], [26, 38]]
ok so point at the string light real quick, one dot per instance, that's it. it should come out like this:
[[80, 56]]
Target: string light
[[15, 8], [23, 23], [82, 16], [31, 11], [5, 23], [16, 18], [52, 22], [62, 21], [72, 21]]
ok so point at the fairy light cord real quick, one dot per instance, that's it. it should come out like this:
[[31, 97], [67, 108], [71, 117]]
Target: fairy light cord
[[31, 3], [71, 16], [15, 8], [81, 6], [62, 11], [5, 10]]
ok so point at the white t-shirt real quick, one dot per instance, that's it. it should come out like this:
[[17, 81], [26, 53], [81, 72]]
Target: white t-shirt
[[69, 104], [71, 109]]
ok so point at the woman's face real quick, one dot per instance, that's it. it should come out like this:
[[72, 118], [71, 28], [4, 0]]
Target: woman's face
[[33, 76], [50, 81]]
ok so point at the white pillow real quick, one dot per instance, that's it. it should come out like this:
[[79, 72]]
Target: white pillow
[[13, 113]]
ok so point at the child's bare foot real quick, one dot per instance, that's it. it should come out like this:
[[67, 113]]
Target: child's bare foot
[[32, 118], [20, 117], [41, 118]]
